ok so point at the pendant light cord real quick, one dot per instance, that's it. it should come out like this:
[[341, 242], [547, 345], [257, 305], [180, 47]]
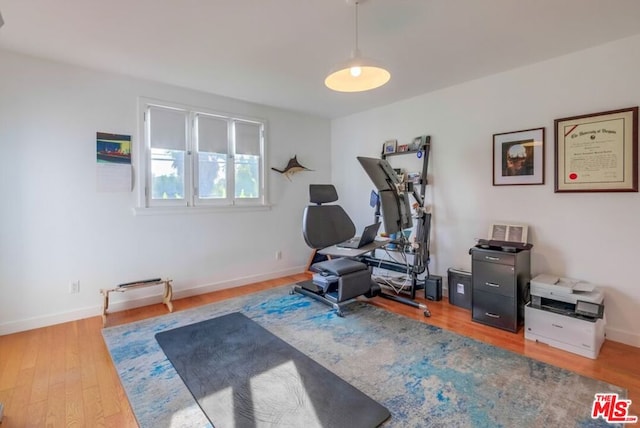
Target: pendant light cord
[[358, 74], [356, 26]]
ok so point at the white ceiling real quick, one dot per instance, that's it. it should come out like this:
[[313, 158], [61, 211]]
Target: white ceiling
[[277, 52]]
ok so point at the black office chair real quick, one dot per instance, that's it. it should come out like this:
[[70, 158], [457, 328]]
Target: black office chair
[[336, 281]]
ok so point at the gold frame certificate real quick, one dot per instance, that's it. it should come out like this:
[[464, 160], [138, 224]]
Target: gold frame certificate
[[597, 152]]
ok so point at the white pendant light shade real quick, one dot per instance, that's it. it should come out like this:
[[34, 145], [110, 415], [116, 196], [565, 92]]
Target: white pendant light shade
[[359, 73]]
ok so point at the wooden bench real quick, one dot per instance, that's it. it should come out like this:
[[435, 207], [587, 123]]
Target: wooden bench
[[121, 288]]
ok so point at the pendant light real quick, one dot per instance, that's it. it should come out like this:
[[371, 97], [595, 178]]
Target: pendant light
[[359, 73]]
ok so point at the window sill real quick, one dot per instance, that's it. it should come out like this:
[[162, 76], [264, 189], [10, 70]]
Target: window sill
[[142, 211]]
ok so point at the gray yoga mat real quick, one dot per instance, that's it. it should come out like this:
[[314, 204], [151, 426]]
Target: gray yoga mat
[[242, 375]]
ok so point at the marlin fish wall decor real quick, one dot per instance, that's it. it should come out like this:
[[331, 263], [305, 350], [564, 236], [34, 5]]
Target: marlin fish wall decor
[[292, 167]]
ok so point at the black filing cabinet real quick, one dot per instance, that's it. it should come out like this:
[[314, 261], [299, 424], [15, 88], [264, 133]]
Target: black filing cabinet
[[500, 287]]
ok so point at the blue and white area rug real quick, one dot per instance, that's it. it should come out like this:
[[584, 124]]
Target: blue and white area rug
[[425, 376]]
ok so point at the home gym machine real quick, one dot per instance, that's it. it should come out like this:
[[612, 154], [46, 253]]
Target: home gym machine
[[393, 205]]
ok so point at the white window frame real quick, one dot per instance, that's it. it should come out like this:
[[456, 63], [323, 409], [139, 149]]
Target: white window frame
[[191, 200]]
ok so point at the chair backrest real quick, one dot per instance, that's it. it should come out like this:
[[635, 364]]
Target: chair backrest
[[325, 225]]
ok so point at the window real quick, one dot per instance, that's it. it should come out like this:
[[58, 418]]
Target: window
[[199, 158]]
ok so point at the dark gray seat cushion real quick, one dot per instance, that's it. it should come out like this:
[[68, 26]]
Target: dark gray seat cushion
[[339, 267]]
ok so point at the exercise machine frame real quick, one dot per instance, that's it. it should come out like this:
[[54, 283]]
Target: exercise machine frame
[[419, 248]]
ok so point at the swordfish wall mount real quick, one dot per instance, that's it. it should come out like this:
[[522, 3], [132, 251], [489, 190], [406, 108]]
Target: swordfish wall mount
[[293, 166]]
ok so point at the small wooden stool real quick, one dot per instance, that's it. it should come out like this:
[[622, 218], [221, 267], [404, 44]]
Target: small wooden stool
[[166, 298]]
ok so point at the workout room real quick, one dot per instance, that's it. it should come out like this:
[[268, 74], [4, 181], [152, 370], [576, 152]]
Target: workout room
[[166, 165]]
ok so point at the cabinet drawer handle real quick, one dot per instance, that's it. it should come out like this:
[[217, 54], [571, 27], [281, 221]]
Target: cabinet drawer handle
[[489, 314], [495, 259], [556, 325], [492, 284]]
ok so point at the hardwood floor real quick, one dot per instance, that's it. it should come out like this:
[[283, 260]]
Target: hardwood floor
[[62, 375]]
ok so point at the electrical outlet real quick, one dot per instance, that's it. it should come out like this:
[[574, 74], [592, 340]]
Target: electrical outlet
[[278, 255], [74, 287]]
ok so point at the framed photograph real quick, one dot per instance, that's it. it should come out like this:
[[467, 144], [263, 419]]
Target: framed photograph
[[403, 147], [416, 143], [597, 152], [518, 157], [389, 146]]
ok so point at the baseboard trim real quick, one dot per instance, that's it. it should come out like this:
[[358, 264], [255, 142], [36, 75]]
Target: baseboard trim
[[622, 336], [615, 335], [92, 311]]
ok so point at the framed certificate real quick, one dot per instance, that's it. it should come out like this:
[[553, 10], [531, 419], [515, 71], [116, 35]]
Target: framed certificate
[[597, 152]]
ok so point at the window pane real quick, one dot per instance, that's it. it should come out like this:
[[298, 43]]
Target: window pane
[[247, 176], [212, 134], [168, 128], [247, 138], [212, 171], [167, 174]]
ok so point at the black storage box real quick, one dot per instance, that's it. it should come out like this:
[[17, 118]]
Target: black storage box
[[433, 288], [459, 288]]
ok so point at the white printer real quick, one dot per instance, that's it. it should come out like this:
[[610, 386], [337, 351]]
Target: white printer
[[557, 289], [566, 313]]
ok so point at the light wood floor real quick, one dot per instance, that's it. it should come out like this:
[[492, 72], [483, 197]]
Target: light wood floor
[[62, 375]]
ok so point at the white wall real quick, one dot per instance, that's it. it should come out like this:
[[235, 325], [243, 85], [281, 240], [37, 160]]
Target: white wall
[[55, 227], [591, 236]]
